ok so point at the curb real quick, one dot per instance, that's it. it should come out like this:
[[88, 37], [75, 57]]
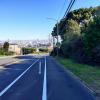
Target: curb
[[8, 56]]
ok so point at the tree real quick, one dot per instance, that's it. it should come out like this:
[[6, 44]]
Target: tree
[[80, 34], [6, 46], [92, 35], [72, 30], [97, 11], [28, 50]]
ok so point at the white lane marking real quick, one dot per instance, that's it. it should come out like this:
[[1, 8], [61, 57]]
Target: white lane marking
[[40, 67], [44, 95], [11, 84]]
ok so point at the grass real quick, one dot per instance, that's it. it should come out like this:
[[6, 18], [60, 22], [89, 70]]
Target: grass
[[3, 55], [88, 74]]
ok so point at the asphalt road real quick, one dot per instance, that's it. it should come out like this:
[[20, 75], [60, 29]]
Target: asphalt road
[[40, 78]]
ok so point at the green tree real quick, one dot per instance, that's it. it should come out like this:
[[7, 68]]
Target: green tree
[[28, 50], [97, 11], [6, 46], [72, 30], [91, 36]]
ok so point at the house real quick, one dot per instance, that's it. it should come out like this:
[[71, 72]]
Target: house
[[15, 48]]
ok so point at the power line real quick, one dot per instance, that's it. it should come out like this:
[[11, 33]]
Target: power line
[[69, 8]]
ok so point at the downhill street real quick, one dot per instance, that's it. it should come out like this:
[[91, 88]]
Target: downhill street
[[40, 78]]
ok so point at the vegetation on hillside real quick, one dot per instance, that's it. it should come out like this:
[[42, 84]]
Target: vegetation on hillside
[[89, 75], [80, 34], [28, 50], [4, 51]]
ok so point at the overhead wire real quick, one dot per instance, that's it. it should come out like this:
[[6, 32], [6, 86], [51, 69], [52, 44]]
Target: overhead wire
[[69, 8]]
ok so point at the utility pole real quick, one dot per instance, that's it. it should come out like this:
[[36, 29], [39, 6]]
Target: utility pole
[[57, 34], [57, 38]]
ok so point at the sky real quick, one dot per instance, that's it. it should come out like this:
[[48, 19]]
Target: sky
[[27, 19]]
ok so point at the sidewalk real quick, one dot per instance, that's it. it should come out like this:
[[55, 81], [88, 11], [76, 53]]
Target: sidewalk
[[7, 60], [1, 57]]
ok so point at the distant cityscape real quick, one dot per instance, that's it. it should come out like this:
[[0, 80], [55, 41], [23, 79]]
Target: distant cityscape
[[29, 43]]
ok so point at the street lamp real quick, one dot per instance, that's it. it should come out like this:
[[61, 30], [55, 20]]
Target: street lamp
[[57, 32]]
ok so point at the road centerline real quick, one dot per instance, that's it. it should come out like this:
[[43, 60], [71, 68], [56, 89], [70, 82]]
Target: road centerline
[[39, 67]]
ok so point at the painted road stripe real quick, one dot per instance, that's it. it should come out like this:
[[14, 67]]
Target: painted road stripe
[[44, 95], [10, 85], [40, 67]]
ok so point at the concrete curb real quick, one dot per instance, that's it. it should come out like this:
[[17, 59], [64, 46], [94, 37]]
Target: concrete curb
[[8, 56], [10, 62]]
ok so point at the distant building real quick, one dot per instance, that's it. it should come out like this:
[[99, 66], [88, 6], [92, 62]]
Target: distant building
[[15, 48]]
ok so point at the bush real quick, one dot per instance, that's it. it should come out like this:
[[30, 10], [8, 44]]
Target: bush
[[6, 46], [44, 50], [96, 55], [1, 52], [75, 50], [28, 50], [66, 49], [9, 53], [54, 52]]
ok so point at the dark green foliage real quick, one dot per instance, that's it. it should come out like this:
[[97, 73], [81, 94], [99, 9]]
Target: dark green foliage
[[80, 34], [1, 51], [66, 49], [7, 53], [96, 54], [28, 50], [97, 11], [6, 46], [91, 36], [44, 50], [54, 52], [82, 15], [72, 30]]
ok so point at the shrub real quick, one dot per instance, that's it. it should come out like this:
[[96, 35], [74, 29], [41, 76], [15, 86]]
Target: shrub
[[96, 55], [91, 36], [9, 53], [28, 50], [66, 49], [43, 50], [75, 50], [54, 52]]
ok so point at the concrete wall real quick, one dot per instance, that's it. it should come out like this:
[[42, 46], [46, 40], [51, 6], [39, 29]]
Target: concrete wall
[[15, 48]]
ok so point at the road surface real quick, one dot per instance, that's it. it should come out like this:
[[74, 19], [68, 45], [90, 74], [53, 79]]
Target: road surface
[[40, 78]]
